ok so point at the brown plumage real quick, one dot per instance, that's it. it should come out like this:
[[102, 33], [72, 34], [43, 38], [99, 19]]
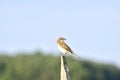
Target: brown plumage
[[64, 48], [61, 43]]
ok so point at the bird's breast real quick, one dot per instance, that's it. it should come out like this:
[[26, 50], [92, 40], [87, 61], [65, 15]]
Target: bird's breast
[[61, 49]]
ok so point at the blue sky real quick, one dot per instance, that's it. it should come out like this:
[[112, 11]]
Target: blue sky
[[92, 27]]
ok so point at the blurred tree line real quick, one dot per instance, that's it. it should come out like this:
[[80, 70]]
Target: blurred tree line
[[47, 67]]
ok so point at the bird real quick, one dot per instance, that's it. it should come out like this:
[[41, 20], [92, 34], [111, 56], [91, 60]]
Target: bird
[[64, 48]]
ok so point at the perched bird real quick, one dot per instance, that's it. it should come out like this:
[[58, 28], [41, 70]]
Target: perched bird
[[64, 48]]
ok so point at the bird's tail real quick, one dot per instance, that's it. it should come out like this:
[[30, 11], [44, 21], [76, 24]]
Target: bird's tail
[[76, 56]]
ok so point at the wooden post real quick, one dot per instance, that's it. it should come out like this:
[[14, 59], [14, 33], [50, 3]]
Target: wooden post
[[65, 74]]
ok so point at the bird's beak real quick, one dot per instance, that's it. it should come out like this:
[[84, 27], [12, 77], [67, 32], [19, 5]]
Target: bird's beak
[[64, 39]]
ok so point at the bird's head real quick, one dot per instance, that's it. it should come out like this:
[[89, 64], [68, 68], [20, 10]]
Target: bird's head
[[62, 38]]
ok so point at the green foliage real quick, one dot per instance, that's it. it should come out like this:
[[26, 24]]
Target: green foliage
[[47, 67]]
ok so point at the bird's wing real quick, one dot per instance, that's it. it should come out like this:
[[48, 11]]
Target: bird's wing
[[67, 47]]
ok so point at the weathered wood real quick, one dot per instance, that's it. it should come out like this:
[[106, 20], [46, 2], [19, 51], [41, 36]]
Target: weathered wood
[[65, 74]]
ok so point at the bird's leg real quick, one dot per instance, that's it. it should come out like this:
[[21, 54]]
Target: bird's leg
[[63, 54]]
